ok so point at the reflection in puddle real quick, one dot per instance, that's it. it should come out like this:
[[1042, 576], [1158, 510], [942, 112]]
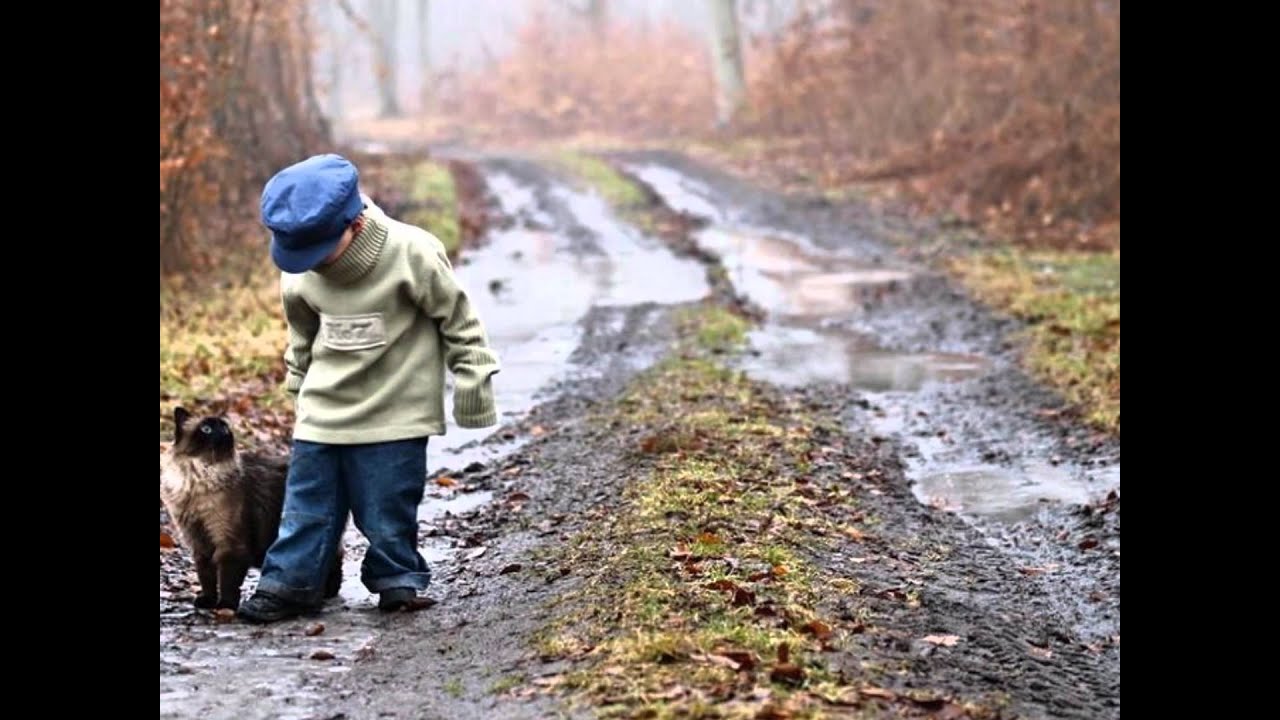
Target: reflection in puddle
[[808, 293], [800, 356], [531, 287], [1003, 494]]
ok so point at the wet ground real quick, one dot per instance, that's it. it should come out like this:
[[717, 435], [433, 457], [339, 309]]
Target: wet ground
[[1007, 501]]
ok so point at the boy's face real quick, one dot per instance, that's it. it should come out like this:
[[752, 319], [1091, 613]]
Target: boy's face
[[352, 230]]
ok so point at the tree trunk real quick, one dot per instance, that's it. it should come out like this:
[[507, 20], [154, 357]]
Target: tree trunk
[[384, 25], [426, 78], [726, 51], [333, 32], [598, 15]]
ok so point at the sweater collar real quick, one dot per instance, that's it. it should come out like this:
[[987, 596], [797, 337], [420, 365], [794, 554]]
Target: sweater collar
[[360, 256]]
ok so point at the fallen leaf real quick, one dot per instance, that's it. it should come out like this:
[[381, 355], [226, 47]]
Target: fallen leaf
[[537, 431], [446, 481], [818, 629], [741, 595], [1089, 543], [715, 659], [743, 659], [314, 630], [613, 670], [513, 567], [517, 497], [784, 653], [944, 640], [322, 655], [1038, 570], [679, 552], [166, 541], [1041, 653], [951, 711], [787, 673], [707, 538], [773, 712], [671, 693], [870, 691], [1096, 596], [855, 534], [779, 570], [224, 615], [549, 680]]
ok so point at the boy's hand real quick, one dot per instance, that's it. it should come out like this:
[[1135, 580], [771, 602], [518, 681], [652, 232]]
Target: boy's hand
[[473, 404]]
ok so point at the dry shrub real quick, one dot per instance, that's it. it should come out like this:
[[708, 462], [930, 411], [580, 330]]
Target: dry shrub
[[236, 103], [1006, 110], [566, 79]]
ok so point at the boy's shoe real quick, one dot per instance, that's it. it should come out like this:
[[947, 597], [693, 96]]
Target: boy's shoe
[[265, 608], [393, 599]]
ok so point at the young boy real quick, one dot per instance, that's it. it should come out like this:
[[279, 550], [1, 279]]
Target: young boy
[[374, 314]]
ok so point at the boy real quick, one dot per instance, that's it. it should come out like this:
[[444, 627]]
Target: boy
[[374, 314]]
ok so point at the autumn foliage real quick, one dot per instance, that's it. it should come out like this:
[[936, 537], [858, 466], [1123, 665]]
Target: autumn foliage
[[236, 102], [1000, 111], [564, 79]]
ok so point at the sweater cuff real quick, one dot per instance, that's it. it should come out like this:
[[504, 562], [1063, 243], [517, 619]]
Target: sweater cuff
[[474, 406]]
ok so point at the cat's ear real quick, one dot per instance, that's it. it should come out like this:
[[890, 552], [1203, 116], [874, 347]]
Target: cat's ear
[[180, 417]]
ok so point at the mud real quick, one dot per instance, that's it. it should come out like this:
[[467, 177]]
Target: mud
[[1034, 567], [964, 446]]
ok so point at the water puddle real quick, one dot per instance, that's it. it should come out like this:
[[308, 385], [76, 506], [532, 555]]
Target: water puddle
[[452, 503], [533, 282], [680, 192], [808, 293], [812, 296], [798, 356], [1001, 494], [943, 476]]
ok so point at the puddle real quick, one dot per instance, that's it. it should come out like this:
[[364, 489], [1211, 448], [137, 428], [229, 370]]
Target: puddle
[[680, 192], [634, 267], [453, 503], [532, 286], [797, 356], [942, 477], [1002, 494], [810, 296]]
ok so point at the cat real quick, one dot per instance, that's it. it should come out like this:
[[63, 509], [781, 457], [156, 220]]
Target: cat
[[226, 506]]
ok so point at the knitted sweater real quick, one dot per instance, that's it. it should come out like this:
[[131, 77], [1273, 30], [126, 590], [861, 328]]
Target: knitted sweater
[[371, 334]]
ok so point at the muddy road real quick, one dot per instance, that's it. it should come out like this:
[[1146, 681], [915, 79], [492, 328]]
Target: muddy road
[[997, 516]]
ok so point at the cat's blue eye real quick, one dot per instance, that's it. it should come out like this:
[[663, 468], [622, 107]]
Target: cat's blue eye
[[206, 429]]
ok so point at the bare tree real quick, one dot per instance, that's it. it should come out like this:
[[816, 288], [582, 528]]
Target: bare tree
[[333, 32], [383, 48], [424, 54], [726, 50], [384, 26], [598, 15]]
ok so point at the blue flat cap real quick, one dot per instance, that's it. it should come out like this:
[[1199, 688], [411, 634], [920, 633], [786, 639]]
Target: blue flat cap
[[307, 206]]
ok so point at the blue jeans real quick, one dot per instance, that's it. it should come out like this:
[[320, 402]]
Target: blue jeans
[[381, 485]]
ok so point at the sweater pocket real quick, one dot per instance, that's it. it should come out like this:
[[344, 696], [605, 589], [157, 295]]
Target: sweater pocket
[[350, 333]]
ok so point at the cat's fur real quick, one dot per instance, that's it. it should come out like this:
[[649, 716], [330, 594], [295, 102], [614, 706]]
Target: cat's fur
[[225, 505]]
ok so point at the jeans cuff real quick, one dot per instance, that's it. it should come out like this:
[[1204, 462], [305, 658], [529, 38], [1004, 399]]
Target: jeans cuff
[[298, 596], [415, 580]]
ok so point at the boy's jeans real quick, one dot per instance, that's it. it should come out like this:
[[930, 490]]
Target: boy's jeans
[[381, 484]]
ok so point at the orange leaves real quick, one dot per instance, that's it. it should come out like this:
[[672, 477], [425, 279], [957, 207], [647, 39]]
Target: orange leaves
[[211, 81]]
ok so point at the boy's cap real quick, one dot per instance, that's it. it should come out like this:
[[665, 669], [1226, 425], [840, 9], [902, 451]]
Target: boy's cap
[[307, 206]]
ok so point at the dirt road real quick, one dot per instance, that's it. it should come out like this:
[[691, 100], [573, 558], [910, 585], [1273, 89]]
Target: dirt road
[[991, 567]]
